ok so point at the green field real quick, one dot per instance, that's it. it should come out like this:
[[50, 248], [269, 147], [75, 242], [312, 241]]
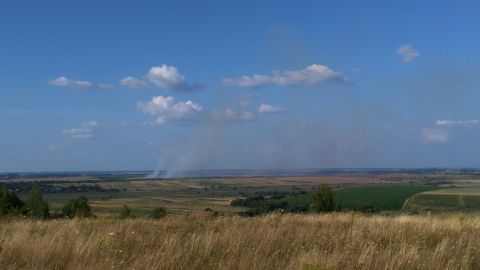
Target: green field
[[370, 198], [378, 197], [450, 199]]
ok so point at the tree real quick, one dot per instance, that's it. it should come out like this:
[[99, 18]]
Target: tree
[[77, 207], [125, 212], [35, 206], [158, 213], [9, 202], [324, 200]]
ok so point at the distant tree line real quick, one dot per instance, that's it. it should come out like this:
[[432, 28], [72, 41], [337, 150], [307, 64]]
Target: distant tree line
[[323, 201], [36, 207], [49, 188]]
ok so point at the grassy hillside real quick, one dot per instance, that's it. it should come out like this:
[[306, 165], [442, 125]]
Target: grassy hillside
[[329, 241]]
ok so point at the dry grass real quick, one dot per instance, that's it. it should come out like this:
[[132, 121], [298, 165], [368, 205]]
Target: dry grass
[[330, 241]]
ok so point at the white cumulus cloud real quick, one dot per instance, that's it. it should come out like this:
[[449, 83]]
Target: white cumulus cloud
[[434, 135], [247, 81], [265, 108], [133, 82], [311, 75], [230, 115], [227, 114], [165, 109], [408, 53], [248, 116], [105, 85], [85, 131], [169, 78], [66, 82], [457, 122], [63, 81]]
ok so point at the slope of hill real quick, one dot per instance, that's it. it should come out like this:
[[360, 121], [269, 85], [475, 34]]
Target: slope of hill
[[323, 241]]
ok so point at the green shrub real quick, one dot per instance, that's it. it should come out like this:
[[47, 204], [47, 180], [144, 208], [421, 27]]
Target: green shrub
[[35, 206], [77, 207], [158, 213], [248, 202], [324, 200], [10, 204], [125, 212]]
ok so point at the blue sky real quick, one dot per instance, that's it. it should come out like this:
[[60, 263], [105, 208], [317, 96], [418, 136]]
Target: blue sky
[[177, 85]]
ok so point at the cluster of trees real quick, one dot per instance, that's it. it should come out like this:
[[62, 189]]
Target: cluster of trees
[[323, 201], [36, 207], [261, 197]]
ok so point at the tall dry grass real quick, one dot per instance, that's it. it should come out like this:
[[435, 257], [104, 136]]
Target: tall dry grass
[[327, 241]]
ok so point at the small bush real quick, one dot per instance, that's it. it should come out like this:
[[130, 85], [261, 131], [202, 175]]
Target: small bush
[[35, 206], [324, 200], [77, 207], [125, 212], [158, 213], [248, 202], [10, 204]]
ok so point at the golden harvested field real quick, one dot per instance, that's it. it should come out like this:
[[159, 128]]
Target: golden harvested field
[[323, 241]]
